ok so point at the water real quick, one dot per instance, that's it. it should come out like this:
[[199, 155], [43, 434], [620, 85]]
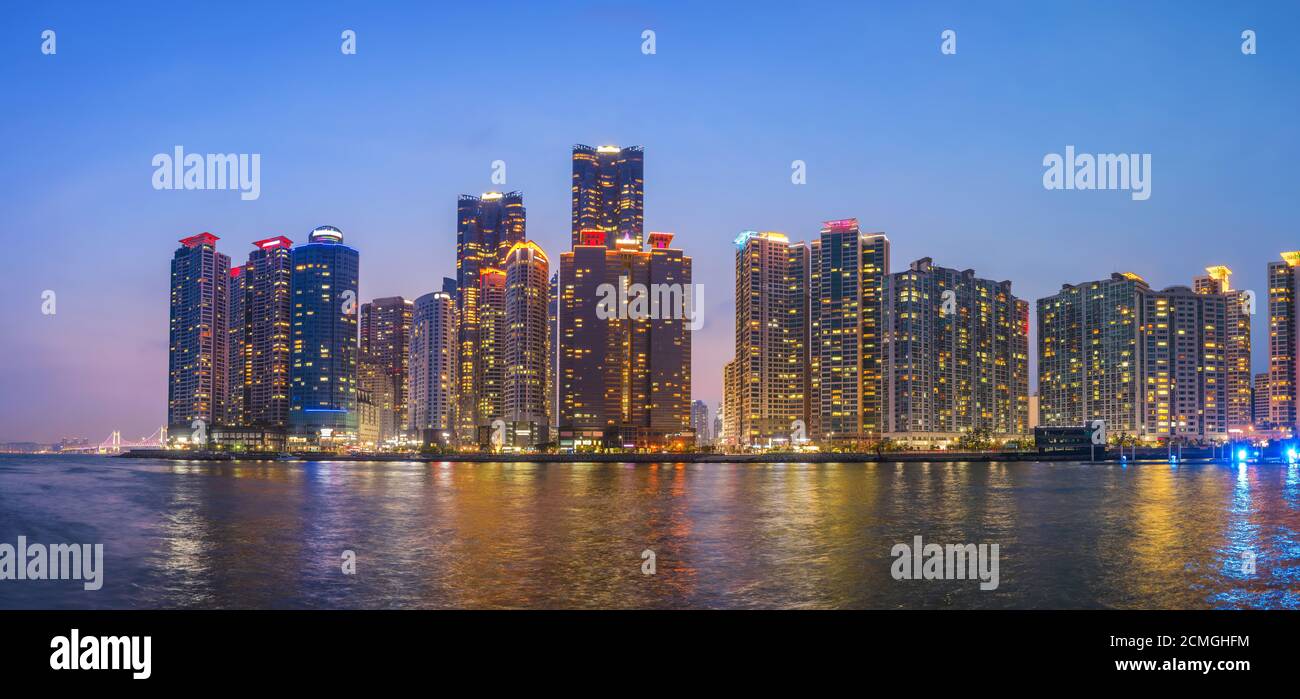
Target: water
[[271, 535]]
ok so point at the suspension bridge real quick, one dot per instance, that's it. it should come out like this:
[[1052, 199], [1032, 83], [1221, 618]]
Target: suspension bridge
[[113, 443]]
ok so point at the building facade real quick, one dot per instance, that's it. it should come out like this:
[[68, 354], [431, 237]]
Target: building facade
[[385, 362], [847, 277], [323, 341], [956, 356], [624, 376], [486, 228], [1282, 342], [1152, 364], [608, 193], [198, 333], [267, 329], [433, 350], [1260, 396], [772, 340], [729, 413], [236, 346], [1088, 354], [525, 346], [1240, 306], [702, 423], [1183, 366]]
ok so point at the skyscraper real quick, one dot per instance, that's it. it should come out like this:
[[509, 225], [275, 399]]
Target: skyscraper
[[236, 346], [772, 338], [1183, 366], [608, 193], [553, 350], [486, 228], [197, 336], [323, 378], [1150, 363], [729, 411], [385, 334], [847, 276], [268, 321], [1089, 355], [624, 376], [1259, 394], [701, 422], [1240, 306], [1282, 342], [433, 353], [525, 400], [489, 362], [957, 356]]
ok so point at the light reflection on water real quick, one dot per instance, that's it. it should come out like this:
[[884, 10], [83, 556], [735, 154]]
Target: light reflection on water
[[263, 534]]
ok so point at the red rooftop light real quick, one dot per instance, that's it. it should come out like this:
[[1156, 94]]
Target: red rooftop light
[[660, 240], [275, 242], [199, 239]]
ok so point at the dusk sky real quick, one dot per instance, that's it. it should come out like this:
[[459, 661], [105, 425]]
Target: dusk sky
[[941, 152]]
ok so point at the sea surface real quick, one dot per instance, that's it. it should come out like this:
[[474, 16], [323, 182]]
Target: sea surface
[[254, 535]]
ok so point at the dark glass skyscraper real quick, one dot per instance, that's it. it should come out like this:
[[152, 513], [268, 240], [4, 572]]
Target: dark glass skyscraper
[[608, 193], [198, 335], [486, 228], [323, 393], [268, 317]]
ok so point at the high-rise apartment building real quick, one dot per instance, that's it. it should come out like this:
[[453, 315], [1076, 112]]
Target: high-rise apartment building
[[716, 433], [701, 422], [848, 271], [236, 346], [1150, 363], [729, 411], [489, 362], [525, 345], [1282, 342], [1089, 354], [1183, 366], [198, 333], [384, 361], [608, 193], [433, 353], [1259, 395], [957, 356], [1236, 350], [267, 323], [772, 338], [553, 350], [323, 340], [624, 375], [486, 228]]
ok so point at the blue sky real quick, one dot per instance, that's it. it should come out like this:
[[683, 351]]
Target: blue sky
[[943, 153]]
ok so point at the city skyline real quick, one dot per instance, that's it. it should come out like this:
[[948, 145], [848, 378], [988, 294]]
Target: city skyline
[[92, 367]]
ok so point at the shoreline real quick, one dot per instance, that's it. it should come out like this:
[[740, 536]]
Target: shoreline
[[694, 458]]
